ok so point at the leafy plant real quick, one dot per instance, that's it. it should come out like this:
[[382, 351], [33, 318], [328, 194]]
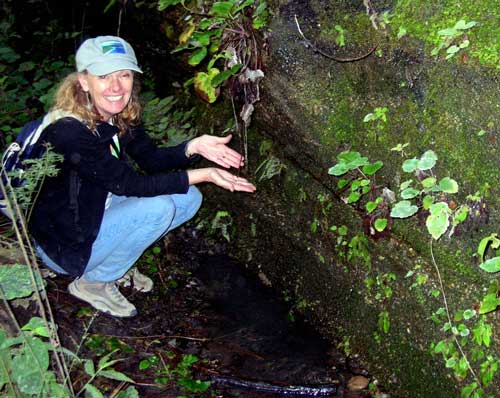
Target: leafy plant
[[454, 39], [269, 168], [492, 264], [222, 32], [176, 371], [165, 121]]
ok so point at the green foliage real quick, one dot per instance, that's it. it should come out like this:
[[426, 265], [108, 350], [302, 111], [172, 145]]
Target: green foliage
[[103, 369], [16, 282], [26, 85], [428, 188], [166, 121], [270, 167], [453, 39], [492, 264], [353, 164], [175, 370], [31, 178], [222, 35], [25, 364]]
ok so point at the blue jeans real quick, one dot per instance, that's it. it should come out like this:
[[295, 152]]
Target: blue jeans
[[129, 226]]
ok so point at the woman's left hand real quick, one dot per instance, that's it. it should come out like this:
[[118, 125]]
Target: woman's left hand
[[215, 149]]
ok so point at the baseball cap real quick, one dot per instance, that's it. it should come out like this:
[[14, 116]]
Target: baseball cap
[[105, 54]]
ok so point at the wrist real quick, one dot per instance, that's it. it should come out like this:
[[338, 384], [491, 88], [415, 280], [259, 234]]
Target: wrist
[[189, 151]]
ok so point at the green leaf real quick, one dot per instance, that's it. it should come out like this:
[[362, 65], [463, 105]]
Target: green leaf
[[427, 161], [89, 368], [427, 202], [409, 193], [428, 182], [26, 66], [342, 182], [405, 185], [403, 209], [37, 326], [28, 377], [163, 4], [372, 168], [224, 75], [353, 197], [438, 221], [452, 49], [15, 281], [222, 9], [115, 375], [130, 392], [468, 390], [203, 84], [448, 185], [483, 245], [489, 303], [410, 165], [197, 56], [92, 391], [352, 159], [491, 265], [144, 364], [370, 206], [468, 314], [462, 25], [338, 170], [245, 4], [203, 38], [380, 224]]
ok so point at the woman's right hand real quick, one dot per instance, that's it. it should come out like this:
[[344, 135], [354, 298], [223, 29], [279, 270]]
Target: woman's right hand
[[220, 177]]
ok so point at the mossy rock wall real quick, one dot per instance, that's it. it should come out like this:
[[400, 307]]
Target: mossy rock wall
[[376, 293]]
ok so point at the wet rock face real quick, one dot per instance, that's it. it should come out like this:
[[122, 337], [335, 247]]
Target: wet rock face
[[312, 109]]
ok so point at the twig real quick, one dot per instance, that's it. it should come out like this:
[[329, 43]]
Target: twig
[[316, 49], [160, 336], [449, 316]]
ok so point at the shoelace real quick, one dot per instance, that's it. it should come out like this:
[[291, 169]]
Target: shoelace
[[114, 291]]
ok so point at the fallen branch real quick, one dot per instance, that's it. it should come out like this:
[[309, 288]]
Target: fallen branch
[[309, 391]]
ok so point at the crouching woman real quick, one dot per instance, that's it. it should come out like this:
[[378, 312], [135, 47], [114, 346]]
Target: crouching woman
[[98, 215]]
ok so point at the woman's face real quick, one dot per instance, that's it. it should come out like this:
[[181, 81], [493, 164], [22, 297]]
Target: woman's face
[[110, 93]]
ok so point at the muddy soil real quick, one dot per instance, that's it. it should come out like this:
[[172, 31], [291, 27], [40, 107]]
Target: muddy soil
[[248, 341]]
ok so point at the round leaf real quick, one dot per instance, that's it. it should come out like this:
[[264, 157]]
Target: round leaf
[[429, 182], [427, 161], [380, 224], [403, 209], [448, 185], [372, 168], [338, 169], [410, 165], [438, 221], [409, 193]]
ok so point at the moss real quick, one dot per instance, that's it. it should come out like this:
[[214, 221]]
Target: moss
[[422, 19]]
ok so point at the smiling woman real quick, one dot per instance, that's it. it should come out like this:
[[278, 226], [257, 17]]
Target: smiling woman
[[97, 216]]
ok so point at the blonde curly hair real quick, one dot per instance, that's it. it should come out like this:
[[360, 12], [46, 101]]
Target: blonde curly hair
[[71, 98]]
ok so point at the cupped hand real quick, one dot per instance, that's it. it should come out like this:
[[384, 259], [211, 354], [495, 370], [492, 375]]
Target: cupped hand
[[226, 180], [215, 149]]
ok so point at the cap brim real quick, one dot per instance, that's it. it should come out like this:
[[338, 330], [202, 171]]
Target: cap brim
[[108, 67]]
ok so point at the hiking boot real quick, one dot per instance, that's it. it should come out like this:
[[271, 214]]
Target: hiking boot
[[139, 281], [103, 296]]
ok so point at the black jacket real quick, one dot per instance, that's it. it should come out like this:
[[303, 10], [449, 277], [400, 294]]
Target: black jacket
[[68, 211]]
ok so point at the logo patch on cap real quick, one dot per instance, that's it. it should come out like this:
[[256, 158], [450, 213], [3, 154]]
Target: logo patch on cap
[[113, 47]]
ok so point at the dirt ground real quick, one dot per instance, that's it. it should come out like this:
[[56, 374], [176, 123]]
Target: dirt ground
[[205, 320]]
